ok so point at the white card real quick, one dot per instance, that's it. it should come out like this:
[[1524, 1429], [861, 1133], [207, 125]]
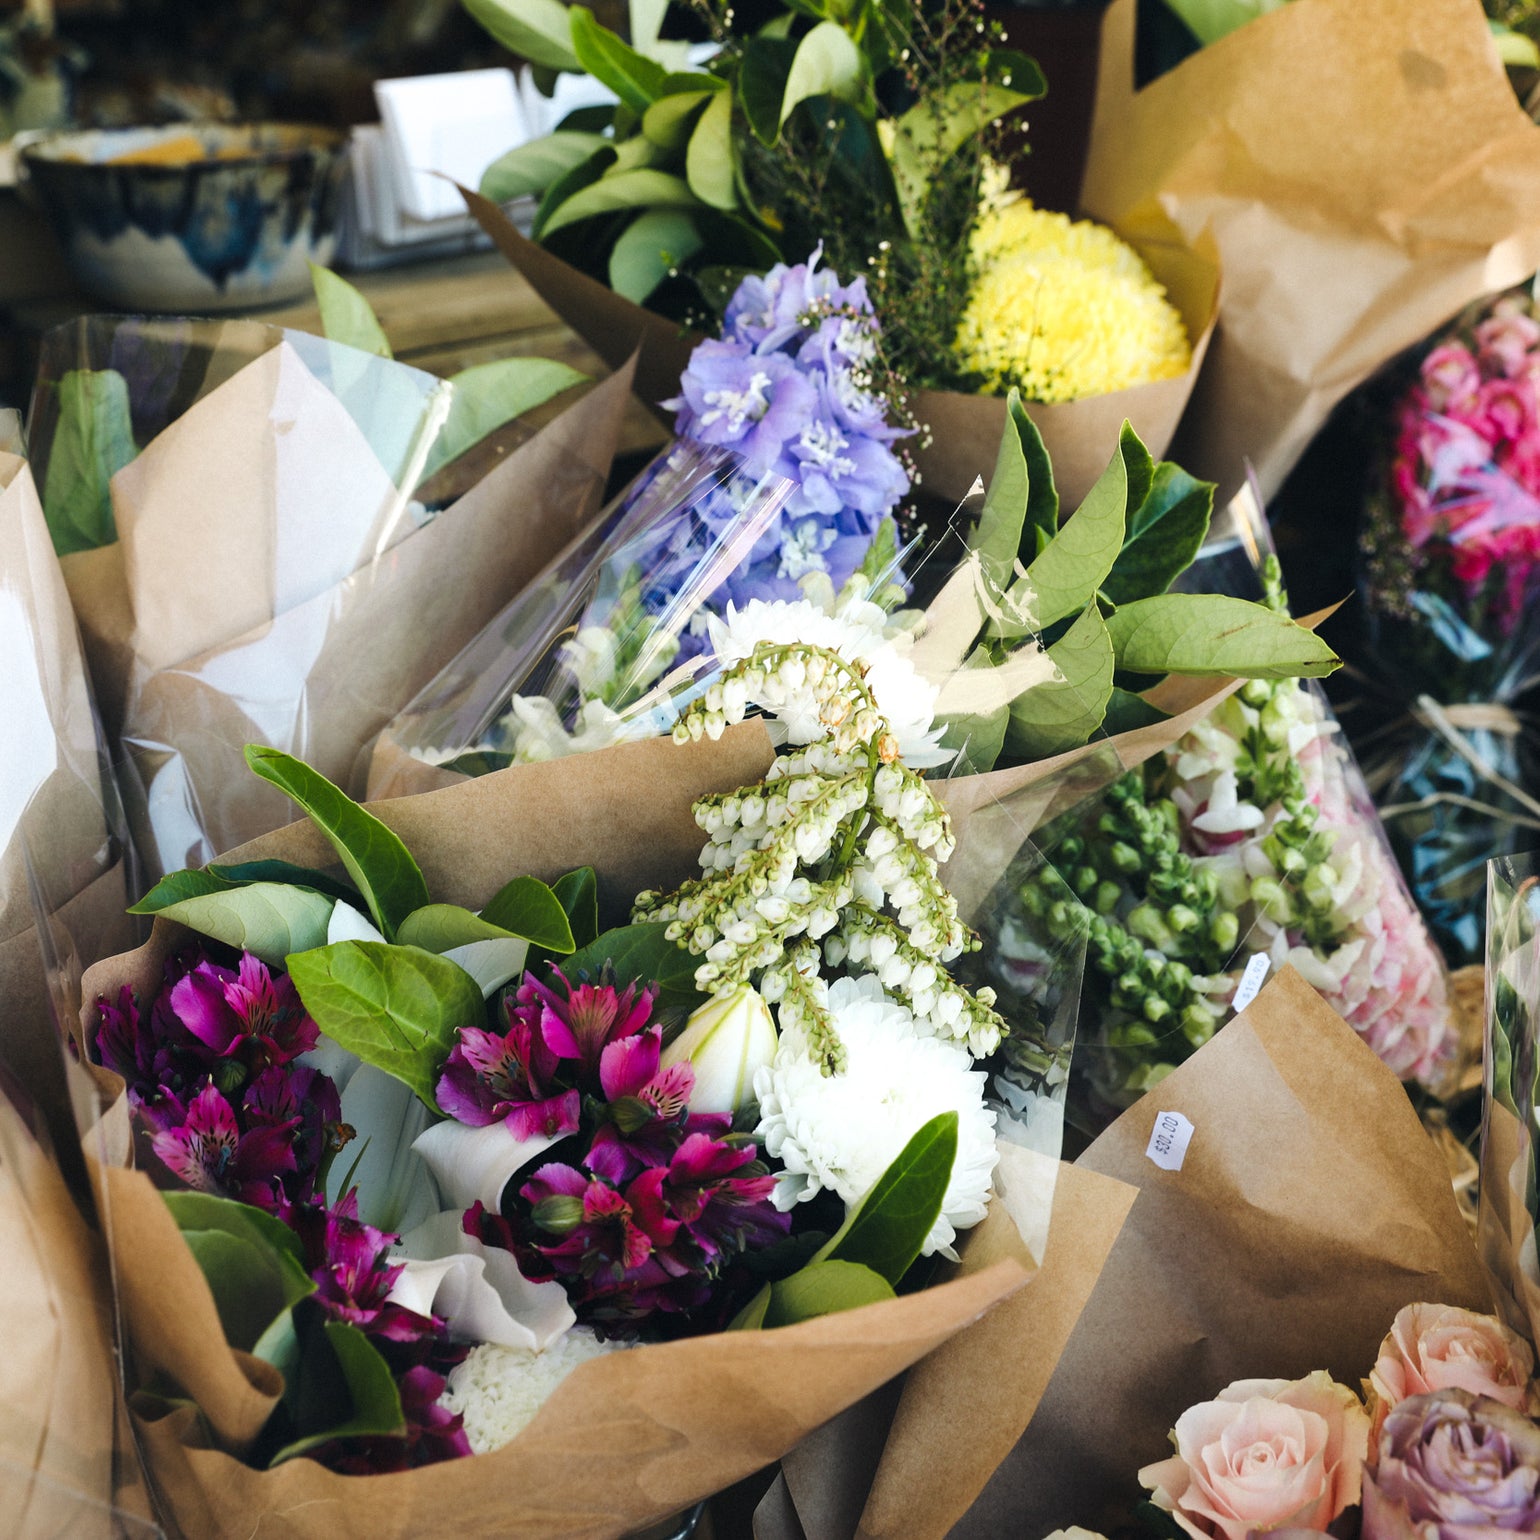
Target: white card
[[1251, 982], [1169, 1140]]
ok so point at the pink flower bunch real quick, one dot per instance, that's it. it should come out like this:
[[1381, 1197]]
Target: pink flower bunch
[[1465, 471]]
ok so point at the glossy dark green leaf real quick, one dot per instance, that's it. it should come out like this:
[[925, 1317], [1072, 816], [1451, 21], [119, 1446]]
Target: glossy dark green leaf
[[1074, 564], [634, 78], [282, 871], [381, 867], [529, 908], [578, 893], [373, 1402], [823, 1288], [762, 83], [569, 184], [1127, 711], [641, 953], [93, 440]]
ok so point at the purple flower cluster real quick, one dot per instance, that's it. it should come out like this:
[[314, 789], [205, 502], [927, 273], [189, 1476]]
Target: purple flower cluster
[[659, 1200], [790, 386], [211, 1071]]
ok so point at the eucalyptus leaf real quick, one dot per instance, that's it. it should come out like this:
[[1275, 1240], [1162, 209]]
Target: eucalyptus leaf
[[486, 396], [824, 1288], [614, 194], [634, 78], [268, 919], [762, 83], [887, 1228], [397, 1007], [641, 954], [711, 160], [381, 867], [373, 1400], [1165, 533], [537, 30], [654, 245], [827, 63], [529, 908], [1215, 634], [346, 316], [531, 168], [92, 442], [1060, 715]]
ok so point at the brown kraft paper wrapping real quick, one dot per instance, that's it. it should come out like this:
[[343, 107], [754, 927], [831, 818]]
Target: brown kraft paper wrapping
[[630, 1438], [187, 685], [965, 430], [1363, 171]]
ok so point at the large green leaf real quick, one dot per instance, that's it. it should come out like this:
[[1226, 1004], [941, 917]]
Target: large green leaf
[[532, 167], [887, 1228], [578, 894], [1164, 535], [571, 182], [1062, 714], [670, 120], [397, 1007], [1127, 711], [654, 245], [372, 1402], [268, 919], [252, 1261], [1215, 634], [537, 30], [1074, 564], [271, 870], [762, 83], [346, 316], [932, 131], [439, 927], [641, 953], [529, 908], [488, 395], [824, 1288], [628, 190], [979, 738], [381, 867], [711, 160], [827, 63], [634, 78], [93, 440], [1022, 498]]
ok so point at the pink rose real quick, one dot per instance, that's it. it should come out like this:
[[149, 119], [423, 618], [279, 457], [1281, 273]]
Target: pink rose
[[1508, 408], [1450, 377], [1504, 341], [1441, 1347], [1265, 1454]]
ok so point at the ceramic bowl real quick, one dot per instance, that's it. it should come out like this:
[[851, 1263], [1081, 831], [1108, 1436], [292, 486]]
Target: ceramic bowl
[[191, 217]]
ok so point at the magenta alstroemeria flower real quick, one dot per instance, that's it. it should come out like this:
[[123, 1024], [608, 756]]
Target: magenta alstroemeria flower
[[306, 1102], [578, 1021], [211, 1153], [510, 1076], [431, 1434], [605, 1233], [724, 1213], [252, 1011]]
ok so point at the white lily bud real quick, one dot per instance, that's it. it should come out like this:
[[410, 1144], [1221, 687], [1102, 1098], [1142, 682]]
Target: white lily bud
[[725, 1040]]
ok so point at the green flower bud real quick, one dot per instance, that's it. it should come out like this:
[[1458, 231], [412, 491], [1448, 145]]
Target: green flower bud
[[1224, 931], [1124, 858], [1108, 895], [1181, 919]]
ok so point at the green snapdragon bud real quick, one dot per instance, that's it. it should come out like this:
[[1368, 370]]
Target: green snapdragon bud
[[1147, 923], [1108, 896], [1272, 898], [1198, 1024], [1124, 858], [1224, 930]]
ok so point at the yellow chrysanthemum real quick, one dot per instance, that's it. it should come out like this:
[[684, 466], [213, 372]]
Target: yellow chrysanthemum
[[1063, 309]]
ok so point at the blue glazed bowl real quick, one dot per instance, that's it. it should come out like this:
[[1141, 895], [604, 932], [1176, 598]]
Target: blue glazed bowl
[[191, 218]]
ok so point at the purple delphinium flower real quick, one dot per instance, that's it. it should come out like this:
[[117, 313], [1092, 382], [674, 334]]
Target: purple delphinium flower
[[210, 1152], [250, 1012], [752, 402]]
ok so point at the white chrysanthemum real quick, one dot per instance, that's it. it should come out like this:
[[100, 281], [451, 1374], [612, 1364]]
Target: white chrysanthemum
[[843, 1131], [498, 1390], [856, 631]]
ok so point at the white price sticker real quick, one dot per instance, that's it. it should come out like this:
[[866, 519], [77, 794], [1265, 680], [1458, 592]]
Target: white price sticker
[[1251, 981], [1169, 1140]]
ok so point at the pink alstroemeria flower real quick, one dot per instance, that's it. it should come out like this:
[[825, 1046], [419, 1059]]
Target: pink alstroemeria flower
[[209, 1152], [250, 1011]]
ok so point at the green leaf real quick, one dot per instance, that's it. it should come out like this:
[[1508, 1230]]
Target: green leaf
[[381, 867], [93, 440], [569, 184], [252, 1261], [628, 190], [641, 953], [652, 246], [1165, 533], [488, 395], [762, 83], [827, 63], [634, 78], [374, 1402], [281, 871], [531, 168], [346, 316], [1021, 496], [397, 1007], [669, 121], [711, 160], [752, 1316], [979, 738], [1127, 711], [1210, 20], [537, 30], [1075, 563], [933, 130], [439, 927], [1057, 716], [823, 1288], [887, 1228], [527, 907], [578, 893], [268, 919], [1215, 634]]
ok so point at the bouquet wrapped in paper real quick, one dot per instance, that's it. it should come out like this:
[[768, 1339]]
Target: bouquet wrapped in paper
[[1450, 575], [775, 1095], [64, 853], [271, 537]]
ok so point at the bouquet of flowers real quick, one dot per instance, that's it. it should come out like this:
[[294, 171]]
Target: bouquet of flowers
[[1450, 574], [346, 563], [756, 1104], [874, 134]]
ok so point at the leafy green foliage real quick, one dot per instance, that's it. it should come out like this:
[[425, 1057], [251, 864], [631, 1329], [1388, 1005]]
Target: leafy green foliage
[[824, 1288], [486, 396], [1073, 565], [346, 316], [1057, 716], [381, 867], [653, 246], [1215, 634], [1165, 532], [343, 1389], [527, 907], [537, 30], [267, 919], [396, 1007], [641, 953], [93, 440]]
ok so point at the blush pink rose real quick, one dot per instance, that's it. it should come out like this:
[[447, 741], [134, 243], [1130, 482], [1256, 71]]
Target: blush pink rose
[[1441, 1347], [1505, 341], [1450, 377], [1263, 1455]]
